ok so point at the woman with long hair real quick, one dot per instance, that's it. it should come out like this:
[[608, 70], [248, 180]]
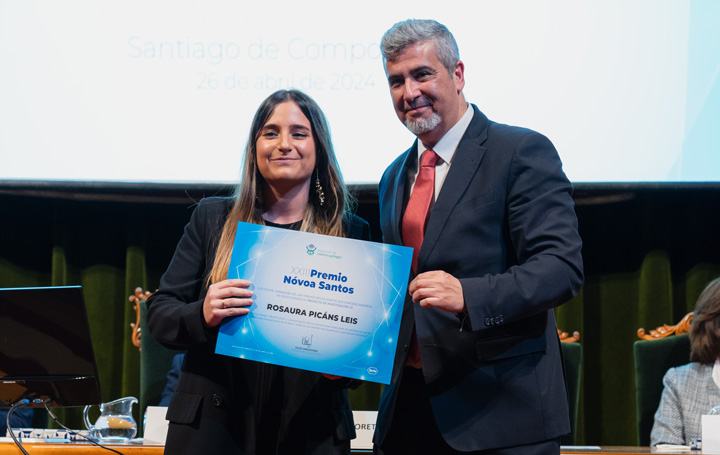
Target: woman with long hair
[[694, 389], [290, 180]]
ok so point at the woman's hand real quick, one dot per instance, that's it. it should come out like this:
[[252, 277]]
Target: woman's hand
[[226, 298]]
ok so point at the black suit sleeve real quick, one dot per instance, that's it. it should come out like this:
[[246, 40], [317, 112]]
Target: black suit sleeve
[[542, 233], [175, 314]]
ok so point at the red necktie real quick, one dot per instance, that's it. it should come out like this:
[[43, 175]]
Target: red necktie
[[415, 218], [414, 221]]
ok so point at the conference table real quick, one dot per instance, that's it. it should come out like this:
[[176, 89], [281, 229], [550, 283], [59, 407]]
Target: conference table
[[80, 448]]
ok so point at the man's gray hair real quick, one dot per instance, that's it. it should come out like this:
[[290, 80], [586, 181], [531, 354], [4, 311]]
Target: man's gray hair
[[411, 31]]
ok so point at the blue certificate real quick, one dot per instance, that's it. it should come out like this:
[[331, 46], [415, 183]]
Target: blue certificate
[[321, 303]]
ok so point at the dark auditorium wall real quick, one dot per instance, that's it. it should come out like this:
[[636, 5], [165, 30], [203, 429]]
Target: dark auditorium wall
[[648, 251]]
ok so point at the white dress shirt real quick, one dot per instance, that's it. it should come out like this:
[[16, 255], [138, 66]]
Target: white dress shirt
[[445, 149]]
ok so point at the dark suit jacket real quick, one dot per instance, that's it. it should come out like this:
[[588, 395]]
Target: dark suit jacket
[[504, 225], [213, 408]]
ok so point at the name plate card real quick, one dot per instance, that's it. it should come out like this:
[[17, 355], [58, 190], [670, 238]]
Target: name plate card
[[327, 304], [710, 433]]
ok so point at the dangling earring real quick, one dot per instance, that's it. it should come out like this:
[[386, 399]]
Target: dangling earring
[[319, 189]]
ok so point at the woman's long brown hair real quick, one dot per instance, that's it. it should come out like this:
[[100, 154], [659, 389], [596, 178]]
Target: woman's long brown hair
[[325, 218]]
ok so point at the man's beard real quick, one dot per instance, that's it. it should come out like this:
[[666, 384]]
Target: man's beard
[[423, 125]]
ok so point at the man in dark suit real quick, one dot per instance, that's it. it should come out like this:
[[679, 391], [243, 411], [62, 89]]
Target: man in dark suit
[[478, 367]]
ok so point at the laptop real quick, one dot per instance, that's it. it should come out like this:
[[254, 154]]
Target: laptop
[[46, 354]]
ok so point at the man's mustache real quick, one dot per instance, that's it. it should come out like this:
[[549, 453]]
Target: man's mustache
[[420, 101]]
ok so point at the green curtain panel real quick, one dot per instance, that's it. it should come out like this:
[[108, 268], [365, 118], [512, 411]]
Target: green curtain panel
[[648, 254]]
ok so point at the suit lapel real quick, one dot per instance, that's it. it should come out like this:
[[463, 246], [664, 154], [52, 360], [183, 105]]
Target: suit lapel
[[465, 163], [398, 191]]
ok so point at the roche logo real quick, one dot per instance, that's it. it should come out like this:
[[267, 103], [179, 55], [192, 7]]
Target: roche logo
[[311, 249]]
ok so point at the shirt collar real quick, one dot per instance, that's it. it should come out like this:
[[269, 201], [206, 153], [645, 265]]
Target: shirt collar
[[446, 146]]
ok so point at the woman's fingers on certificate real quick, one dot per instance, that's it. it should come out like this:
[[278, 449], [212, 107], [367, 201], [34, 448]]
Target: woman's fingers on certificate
[[235, 293], [226, 298]]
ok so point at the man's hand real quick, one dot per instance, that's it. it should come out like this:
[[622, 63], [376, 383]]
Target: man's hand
[[439, 290]]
